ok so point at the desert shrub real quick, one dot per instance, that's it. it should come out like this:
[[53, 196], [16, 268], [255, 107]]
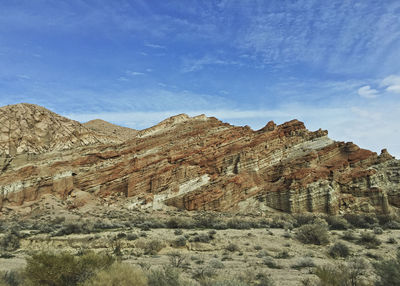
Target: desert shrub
[[389, 221], [339, 249], [392, 225], [337, 223], [262, 254], [180, 222], [315, 233], [132, 236], [63, 269], [179, 241], [11, 278], [224, 282], [9, 242], [361, 220], [232, 247], [151, 247], [166, 276], [284, 254], [369, 239], [271, 263], [120, 274], [378, 230], [302, 219], [216, 264], [75, 228], [349, 235], [177, 259], [202, 237], [388, 272], [342, 274], [204, 272], [237, 223], [391, 240], [303, 262], [178, 232]]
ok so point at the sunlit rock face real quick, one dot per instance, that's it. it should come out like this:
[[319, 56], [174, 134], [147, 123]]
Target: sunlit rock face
[[193, 163]]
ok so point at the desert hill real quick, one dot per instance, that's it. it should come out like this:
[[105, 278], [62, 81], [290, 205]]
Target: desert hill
[[112, 130], [193, 163]]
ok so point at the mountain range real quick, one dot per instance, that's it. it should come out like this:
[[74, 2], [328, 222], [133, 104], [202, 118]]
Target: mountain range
[[192, 163]]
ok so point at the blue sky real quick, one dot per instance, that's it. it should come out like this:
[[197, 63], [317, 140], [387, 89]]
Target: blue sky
[[333, 64]]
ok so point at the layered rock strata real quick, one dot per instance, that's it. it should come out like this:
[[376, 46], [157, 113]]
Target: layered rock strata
[[201, 163]]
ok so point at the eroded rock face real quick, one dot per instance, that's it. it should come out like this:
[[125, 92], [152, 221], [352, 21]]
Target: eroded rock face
[[200, 163]]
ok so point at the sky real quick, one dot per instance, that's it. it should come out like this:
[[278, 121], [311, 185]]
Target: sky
[[333, 64]]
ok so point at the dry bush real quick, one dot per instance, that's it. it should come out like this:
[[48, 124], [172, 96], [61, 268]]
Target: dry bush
[[339, 249], [369, 240], [63, 269], [315, 233], [120, 274], [150, 247], [388, 272]]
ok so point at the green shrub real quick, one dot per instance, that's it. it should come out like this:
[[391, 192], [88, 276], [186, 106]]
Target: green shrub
[[202, 237], [166, 276], [304, 262], [337, 223], [63, 269], [9, 242], [179, 241], [369, 239], [119, 274], [11, 278], [316, 233], [270, 262], [342, 274], [361, 220], [305, 218], [388, 272], [232, 247], [349, 235], [339, 249]]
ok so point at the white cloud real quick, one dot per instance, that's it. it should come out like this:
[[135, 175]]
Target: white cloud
[[134, 73], [155, 46], [392, 83], [367, 92]]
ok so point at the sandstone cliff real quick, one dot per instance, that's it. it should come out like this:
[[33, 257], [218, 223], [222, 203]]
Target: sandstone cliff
[[201, 163]]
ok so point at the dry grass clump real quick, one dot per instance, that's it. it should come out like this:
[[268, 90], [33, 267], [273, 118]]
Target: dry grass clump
[[118, 274]]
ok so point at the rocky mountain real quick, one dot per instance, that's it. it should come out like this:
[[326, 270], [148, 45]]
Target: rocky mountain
[[28, 128], [193, 163]]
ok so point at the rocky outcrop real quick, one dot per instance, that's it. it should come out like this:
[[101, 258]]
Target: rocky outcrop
[[201, 163]]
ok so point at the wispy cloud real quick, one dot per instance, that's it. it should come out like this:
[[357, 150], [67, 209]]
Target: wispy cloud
[[367, 92], [390, 84], [192, 64], [134, 73], [154, 46]]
